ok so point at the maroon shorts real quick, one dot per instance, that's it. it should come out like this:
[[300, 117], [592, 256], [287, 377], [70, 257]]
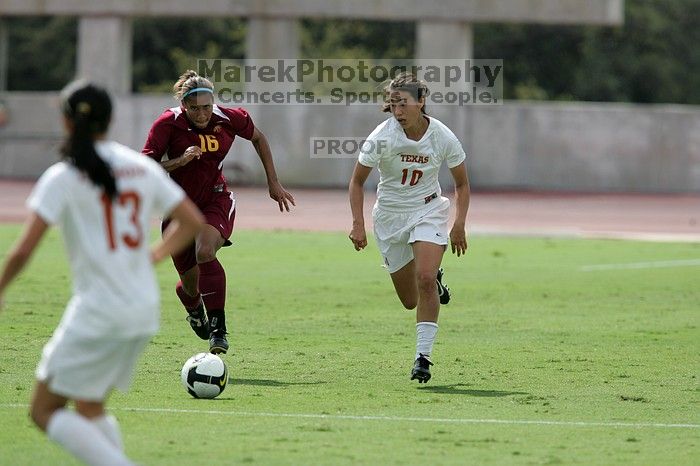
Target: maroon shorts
[[219, 212]]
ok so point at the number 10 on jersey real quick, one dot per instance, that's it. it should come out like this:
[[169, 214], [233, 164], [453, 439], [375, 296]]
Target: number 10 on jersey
[[415, 176]]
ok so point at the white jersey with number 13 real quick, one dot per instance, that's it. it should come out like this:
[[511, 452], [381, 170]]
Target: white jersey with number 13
[[107, 240]]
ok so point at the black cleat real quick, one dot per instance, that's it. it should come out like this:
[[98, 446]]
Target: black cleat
[[443, 290], [421, 369], [198, 321], [218, 344]]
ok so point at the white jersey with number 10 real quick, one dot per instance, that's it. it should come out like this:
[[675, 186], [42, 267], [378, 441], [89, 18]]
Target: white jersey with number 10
[[409, 169]]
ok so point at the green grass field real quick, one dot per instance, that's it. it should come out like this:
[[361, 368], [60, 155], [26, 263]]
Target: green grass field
[[539, 360]]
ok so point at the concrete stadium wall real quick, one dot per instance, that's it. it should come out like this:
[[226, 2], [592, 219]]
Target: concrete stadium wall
[[589, 147]]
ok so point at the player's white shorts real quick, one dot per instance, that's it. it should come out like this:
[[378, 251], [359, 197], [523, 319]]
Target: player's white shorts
[[88, 367], [395, 231]]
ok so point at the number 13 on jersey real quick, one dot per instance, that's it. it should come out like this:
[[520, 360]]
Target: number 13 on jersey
[[131, 201]]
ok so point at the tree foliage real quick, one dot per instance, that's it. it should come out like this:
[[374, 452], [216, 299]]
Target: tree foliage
[[654, 57], [165, 47], [42, 52], [357, 39]]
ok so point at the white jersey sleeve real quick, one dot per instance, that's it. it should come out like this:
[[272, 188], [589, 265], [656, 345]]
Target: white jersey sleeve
[[49, 196], [375, 146], [454, 153]]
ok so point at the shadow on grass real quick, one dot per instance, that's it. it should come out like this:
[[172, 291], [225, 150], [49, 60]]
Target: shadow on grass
[[455, 389], [268, 383]]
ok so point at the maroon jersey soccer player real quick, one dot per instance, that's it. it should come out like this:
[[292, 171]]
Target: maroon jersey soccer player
[[191, 142]]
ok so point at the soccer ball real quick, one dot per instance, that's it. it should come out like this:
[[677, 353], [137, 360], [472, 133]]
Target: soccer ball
[[204, 375]]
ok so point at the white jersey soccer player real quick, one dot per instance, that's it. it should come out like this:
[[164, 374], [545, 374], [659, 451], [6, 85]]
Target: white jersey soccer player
[[114, 287], [409, 169], [102, 196], [409, 192], [115, 293], [411, 216]]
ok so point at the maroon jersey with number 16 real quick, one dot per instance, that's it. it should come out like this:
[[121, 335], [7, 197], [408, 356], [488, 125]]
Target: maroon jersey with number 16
[[172, 133]]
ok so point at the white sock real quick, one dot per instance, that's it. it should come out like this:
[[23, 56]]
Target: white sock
[[109, 426], [425, 337], [84, 440]]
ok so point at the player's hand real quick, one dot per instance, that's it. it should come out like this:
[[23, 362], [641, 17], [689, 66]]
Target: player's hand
[[458, 239], [358, 236], [191, 153], [282, 197]]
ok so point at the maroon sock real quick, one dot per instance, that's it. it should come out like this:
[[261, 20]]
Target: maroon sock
[[190, 302], [212, 284]]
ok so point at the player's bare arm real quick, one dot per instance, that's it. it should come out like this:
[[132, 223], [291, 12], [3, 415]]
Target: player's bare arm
[[191, 153], [187, 223], [358, 235], [458, 236], [277, 191], [22, 252]]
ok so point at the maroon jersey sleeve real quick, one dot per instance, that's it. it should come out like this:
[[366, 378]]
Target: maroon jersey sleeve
[[240, 121], [159, 136]]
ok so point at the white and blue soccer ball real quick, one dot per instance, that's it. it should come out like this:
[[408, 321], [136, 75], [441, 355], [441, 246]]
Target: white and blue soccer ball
[[204, 375]]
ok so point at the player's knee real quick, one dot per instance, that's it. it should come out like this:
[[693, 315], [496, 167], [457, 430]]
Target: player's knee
[[205, 253], [33, 414], [410, 305], [40, 415], [426, 282], [409, 302], [89, 409]]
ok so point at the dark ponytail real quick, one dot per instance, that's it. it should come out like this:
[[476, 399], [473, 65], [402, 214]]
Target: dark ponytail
[[89, 108]]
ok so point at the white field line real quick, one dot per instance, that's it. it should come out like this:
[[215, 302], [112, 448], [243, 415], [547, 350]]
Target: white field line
[[341, 417], [642, 265]]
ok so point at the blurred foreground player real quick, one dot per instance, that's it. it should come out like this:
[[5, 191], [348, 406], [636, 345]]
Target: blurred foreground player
[[102, 196]]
